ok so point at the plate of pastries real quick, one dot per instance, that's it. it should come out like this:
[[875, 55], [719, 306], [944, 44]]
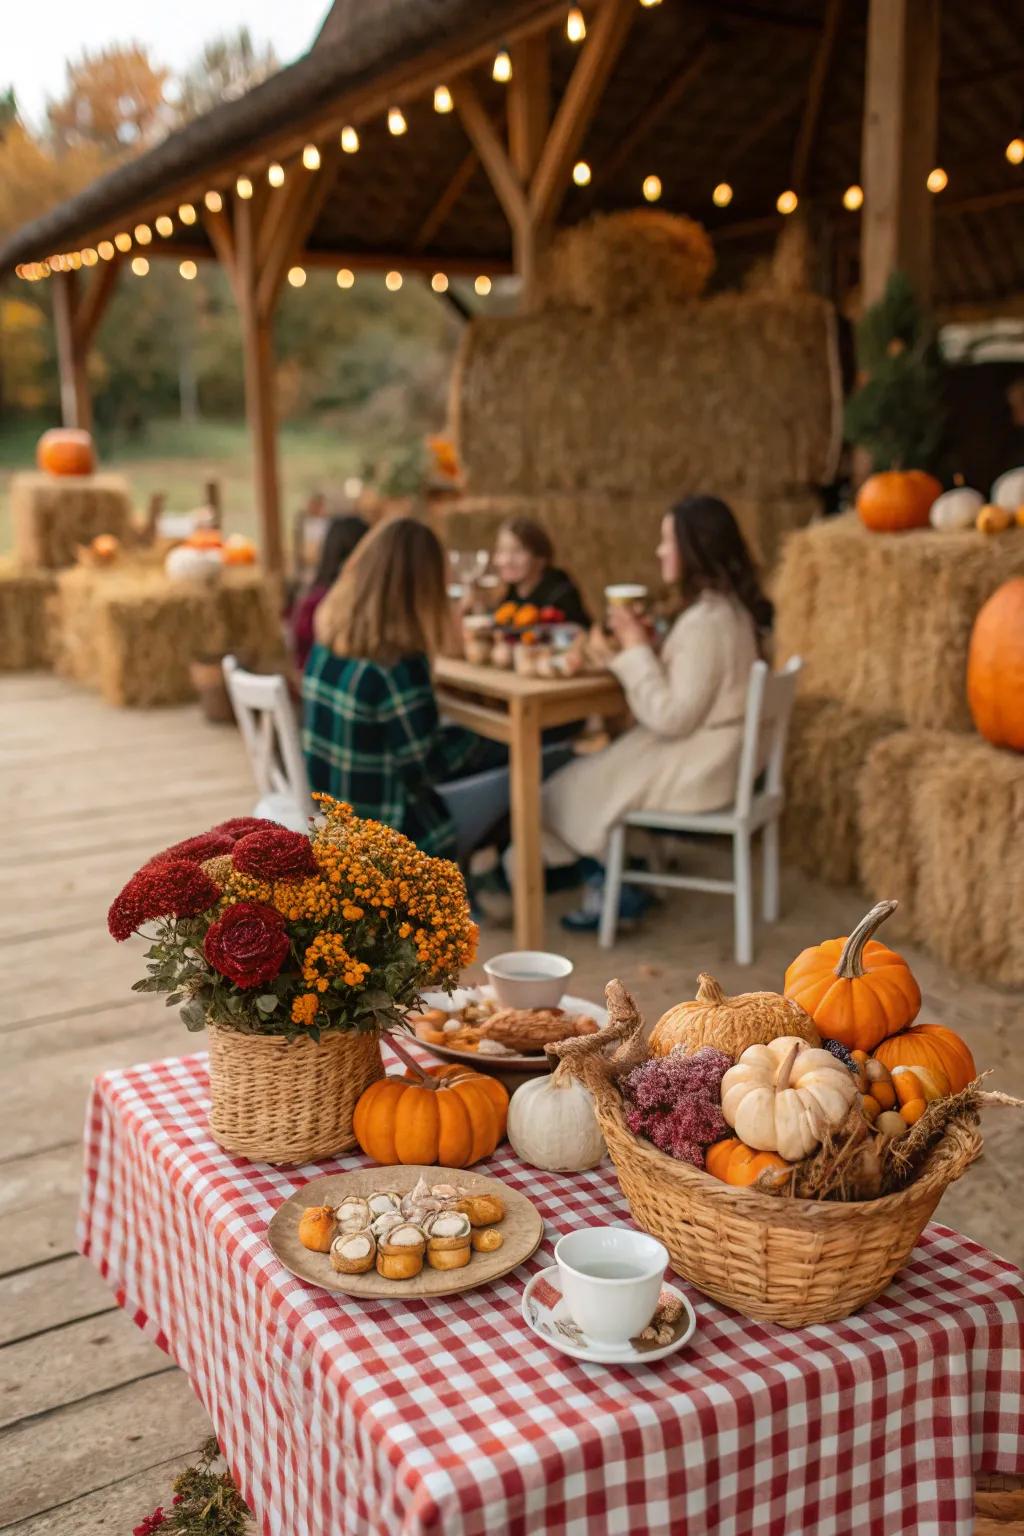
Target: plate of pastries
[[471, 1026]]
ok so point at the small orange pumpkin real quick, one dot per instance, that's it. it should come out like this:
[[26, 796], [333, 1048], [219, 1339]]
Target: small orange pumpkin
[[734, 1162], [897, 499], [932, 1046], [105, 547], [448, 1115], [65, 451], [317, 1227], [995, 667], [856, 990], [238, 550], [993, 519], [205, 538]]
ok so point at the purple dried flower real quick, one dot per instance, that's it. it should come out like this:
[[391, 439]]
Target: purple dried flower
[[661, 1082]]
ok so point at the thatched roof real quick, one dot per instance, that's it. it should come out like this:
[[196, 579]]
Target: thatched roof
[[705, 91]]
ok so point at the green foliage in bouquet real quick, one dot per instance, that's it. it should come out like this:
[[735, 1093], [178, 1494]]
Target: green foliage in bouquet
[[268, 931], [897, 411], [205, 1503]]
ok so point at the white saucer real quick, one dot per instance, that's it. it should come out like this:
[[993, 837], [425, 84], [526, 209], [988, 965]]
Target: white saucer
[[546, 1314]]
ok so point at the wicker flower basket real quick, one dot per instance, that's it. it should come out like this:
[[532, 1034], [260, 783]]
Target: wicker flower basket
[[288, 1102], [775, 1258]]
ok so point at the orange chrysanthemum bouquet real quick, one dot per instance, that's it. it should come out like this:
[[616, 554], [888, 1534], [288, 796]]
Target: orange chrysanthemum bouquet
[[295, 949]]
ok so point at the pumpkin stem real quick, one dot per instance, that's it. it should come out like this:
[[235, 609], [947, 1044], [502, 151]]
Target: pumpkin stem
[[424, 1080], [851, 960], [783, 1075], [708, 990]]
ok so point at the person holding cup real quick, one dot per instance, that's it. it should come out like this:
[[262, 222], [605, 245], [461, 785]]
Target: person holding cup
[[687, 700]]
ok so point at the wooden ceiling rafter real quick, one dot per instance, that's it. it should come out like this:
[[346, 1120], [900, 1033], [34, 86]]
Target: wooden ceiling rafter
[[674, 87], [821, 65]]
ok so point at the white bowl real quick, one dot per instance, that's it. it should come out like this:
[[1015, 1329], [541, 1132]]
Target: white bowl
[[528, 978]]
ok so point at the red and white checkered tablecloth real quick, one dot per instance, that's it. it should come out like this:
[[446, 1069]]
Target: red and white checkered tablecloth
[[342, 1417]]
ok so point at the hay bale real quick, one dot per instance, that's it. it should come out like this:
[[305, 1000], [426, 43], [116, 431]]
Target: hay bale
[[614, 263], [938, 816], [882, 621], [827, 747], [53, 514], [24, 625], [736, 393], [130, 633]]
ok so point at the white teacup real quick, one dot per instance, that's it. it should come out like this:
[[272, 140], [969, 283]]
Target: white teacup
[[611, 1280], [625, 594]]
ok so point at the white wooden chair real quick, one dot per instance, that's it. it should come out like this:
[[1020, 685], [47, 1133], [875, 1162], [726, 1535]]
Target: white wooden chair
[[266, 720], [766, 725]]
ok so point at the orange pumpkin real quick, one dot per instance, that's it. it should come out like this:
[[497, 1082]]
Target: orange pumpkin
[[238, 550], [856, 990], [105, 547], [449, 1115], [934, 1047], [65, 451], [734, 1162], [205, 538], [897, 499], [995, 667]]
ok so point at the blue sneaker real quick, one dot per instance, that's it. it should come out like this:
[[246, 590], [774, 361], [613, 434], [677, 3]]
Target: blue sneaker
[[634, 901]]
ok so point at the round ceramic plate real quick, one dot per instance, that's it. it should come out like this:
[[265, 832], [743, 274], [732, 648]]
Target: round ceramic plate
[[521, 1230], [534, 1063], [545, 1312]]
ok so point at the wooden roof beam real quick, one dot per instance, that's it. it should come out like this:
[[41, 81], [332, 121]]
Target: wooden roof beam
[[447, 202], [821, 64], [493, 155], [92, 303], [652, 114]]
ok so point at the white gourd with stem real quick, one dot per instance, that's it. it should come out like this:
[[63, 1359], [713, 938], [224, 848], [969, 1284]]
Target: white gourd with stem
[[552, 1124]]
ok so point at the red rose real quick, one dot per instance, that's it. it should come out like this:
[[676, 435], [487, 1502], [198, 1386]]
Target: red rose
[[248, 944], [162, 888], [275, 854], [239, 826], [206, 846]]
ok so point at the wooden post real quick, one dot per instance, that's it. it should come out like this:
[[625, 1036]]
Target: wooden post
[[258, 346], [899, 144], [75, 404], [529, 114]]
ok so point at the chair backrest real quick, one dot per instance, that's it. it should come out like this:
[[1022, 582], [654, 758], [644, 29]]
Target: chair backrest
[[267, 723], [770, 698]]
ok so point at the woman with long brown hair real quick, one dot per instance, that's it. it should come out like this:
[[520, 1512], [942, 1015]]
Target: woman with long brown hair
[[524, 559], [371, 732]]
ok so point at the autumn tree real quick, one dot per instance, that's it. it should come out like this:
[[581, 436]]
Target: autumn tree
[[227, 67], [114, 101]]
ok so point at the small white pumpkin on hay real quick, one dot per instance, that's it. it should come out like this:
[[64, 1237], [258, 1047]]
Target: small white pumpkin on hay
[[1008, 490], [956, 509]]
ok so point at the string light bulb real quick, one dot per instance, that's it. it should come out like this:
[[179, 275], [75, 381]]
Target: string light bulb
[[311, 157], [165, 225], [297, 276], [75, 261], [501, 69], [442, 99], [143, 234], [786, 201], [722, 195], [187, 214], [575, 25], [243, 186], [213, 200], [393, 281], [937, 181], [652, 188], [188, 270], [853, 198], [648, 4], [123, 241], [397, 124], [105, 250], [1014, 151], [346, 277], [439, 282], [581, 173], [89, 257], [349, 140], [482, 285], [275, 174], [140, 266]]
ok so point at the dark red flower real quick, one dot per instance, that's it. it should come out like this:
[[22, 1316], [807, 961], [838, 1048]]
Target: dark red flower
[[274, 854], [206, 846], [248, 944], [240, 826], [151, 1523], [163, 888]]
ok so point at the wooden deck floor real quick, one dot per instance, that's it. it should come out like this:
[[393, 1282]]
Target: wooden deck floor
[[93, 1419]]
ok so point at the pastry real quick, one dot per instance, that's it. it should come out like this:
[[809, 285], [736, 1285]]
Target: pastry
[[531, 1029], [353, 1253], [400, 1253], [487, 1240], [448, 1241], [483, 1210], [353, 1214], [381, 1225], [383, 1202], [317, 1228]]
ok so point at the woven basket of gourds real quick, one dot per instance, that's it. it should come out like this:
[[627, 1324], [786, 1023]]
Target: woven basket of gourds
[[775, 1258]]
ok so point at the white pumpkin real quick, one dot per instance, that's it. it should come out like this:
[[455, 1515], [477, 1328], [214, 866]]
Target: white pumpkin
[[184, 563], [956, 509], [786, 1096], [552, 1124], [1008, 490]]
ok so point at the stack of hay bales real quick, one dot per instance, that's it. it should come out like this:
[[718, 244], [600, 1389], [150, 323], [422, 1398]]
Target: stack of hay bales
[[595, 423], [51, 516], [127, 631], [887, 782]]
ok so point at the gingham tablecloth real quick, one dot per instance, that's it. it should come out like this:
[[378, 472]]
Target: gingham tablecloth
[[342, 1417]]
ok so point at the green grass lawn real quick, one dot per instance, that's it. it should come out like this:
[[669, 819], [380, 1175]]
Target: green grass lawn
[[179, 459]]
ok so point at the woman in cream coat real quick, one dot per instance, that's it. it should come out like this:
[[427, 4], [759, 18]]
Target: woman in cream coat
[[688, 701]]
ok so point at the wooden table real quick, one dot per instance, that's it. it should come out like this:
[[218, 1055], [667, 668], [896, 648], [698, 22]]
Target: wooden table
[[515, 710]]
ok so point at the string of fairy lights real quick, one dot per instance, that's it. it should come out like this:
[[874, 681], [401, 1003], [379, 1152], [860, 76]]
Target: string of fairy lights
[[651, 188]]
